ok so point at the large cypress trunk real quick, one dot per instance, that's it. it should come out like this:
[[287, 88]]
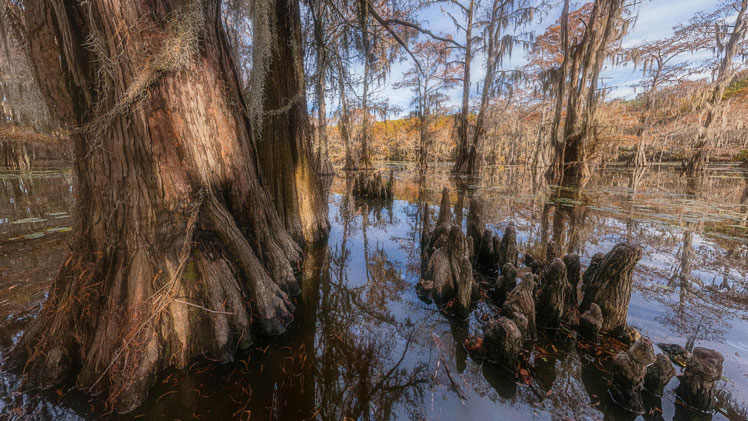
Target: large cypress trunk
[[178, 250], [285, 147]]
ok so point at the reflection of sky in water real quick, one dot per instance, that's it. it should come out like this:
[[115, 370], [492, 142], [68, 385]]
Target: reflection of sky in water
[[385, 312], [655, 302]]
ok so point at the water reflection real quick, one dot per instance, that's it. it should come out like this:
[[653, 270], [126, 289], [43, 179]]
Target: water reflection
[[364, 346]]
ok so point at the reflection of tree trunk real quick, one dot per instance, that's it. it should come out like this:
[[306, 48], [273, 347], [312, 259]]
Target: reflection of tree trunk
[[285, 148], [179, 250], [637, 174]]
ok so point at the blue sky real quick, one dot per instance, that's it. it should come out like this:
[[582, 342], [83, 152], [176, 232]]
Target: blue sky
[[655, 19]]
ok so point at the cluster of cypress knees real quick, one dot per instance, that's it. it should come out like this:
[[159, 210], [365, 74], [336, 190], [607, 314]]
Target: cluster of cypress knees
[[372, 187], [546, 294]]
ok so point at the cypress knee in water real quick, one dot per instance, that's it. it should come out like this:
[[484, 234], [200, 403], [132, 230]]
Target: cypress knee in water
[[571, 308], [702, 371], [485, 252], [443, 223], [591, 322], [503, 342], [451, 272], [591, 269], [507, 251], [372, 188], [629, 370], [659, 375], [506, 282], [553, 290], [520, 306], [532, 263], [475, 225], [611, 286]]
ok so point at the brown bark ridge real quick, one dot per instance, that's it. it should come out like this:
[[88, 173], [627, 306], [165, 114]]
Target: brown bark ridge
[[439, 236], [178, 250], [503, 342], [475, 224], [520, 306], [590, 322], [450, 270], [507, 252], [505, 282], [284, 150], [589, 273], [702, 371], [629, 370], [610, 287], [571, 308], [552, 299]]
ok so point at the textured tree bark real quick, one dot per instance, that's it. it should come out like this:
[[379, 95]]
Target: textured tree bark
[[178, 250], [697, 382], [475, 224], [629, 370], [589, 273], [450, 270], [520, 306], [505, 283], [553, 290], [503, 342], [591, 322], [507, 252], [571, 308], [611, 286], [286, 162]]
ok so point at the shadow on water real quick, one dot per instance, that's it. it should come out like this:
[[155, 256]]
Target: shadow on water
[[363, 344]]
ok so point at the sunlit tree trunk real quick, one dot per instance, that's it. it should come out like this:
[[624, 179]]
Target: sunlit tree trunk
[[177, 250], [285, 149]]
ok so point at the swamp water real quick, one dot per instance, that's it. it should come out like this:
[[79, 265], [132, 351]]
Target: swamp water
[[364, 346]]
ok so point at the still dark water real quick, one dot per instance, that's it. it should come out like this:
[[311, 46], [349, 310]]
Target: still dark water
[[364, 346]]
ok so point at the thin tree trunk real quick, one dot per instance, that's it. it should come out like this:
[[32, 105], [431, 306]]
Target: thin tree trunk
[[344, 123], [178, 250], [463, 148]]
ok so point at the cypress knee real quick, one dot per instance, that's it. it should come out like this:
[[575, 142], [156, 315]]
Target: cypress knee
[[697, 381], [503, 342], [589, 274], [571, 308], [611, 286], [659, 375], [475, 224], [553, 290], [591, 322], [507, 252], [520, 306], [629, 370]]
